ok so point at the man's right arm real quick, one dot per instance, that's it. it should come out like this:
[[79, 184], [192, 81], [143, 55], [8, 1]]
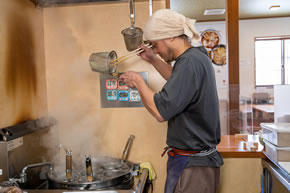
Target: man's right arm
[[163, 68]]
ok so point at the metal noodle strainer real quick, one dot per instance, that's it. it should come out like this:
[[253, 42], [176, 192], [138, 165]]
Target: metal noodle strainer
[[102, 62], [107, 62], [133, 36]]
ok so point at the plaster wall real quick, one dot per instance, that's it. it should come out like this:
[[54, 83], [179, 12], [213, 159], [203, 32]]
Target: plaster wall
[[71, 34], [22, 67], [22, 76]]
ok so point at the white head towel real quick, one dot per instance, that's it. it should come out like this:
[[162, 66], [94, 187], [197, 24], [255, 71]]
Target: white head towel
[[166, 23]]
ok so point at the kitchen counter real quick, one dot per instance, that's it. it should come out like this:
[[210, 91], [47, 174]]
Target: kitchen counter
[[241, 166], [273, 171], [231, 147]]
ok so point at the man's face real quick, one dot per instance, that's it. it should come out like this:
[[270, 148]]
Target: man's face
[[162, 48]]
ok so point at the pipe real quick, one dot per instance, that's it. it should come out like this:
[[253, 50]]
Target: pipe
[[68, 165], [142, 181], [89, 169], [150, 7], [127, 147], [23, 175]]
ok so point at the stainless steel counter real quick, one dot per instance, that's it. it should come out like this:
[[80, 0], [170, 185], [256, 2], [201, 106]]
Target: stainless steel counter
[[275, 178]]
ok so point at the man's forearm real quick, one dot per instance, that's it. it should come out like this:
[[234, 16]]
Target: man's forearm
[[163, 68], [147, 97]]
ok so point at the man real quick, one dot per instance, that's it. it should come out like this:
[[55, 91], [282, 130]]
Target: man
[[188, 101]]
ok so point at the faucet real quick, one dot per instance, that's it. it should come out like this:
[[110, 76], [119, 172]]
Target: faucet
[[23, 175]]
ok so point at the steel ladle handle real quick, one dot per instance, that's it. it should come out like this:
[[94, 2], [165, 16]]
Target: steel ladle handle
[[132, 12], [127, 147]]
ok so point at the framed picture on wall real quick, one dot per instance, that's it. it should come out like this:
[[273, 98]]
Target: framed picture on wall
[[211, 39]]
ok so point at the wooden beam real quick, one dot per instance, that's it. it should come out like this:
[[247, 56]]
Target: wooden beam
[[232, 27], [167, 4]]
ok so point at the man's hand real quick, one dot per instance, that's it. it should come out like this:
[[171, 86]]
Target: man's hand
[[131, 78], [134, 79], [148, 54]]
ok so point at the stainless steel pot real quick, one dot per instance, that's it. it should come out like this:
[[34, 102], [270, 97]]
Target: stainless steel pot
[[106, 172], [102, 62]]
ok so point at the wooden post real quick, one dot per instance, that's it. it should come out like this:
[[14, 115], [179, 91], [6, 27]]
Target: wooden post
[[167, 4], [232, 27]]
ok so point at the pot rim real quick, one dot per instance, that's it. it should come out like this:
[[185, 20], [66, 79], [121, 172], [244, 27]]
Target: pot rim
[[127, 173]]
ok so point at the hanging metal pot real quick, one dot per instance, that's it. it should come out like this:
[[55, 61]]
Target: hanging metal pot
[[133, 36], [103, 62]]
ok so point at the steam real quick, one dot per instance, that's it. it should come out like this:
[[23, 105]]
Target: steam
[[73, 92], [73, 103]]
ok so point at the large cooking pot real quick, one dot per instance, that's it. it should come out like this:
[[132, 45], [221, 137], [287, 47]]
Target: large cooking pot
[[107, 172]]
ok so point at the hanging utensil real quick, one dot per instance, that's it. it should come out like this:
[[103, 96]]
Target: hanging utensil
[[107, 62], [102, 62], [133, 36], [127, 147], [131, 54]]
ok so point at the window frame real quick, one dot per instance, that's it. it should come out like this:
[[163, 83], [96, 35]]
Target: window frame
[[282, 38]]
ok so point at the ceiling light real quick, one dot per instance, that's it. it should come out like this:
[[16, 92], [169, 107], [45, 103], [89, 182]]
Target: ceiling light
[[274, 7], [214, 12]]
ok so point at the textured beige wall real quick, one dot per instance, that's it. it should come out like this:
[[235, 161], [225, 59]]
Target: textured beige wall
[[22, 67], [72, 33], [22, 75]]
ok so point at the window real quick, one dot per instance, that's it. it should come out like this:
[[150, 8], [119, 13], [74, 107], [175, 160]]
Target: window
[[272, 59]]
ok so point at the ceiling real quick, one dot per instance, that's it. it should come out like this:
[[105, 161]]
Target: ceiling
[[248, 9]]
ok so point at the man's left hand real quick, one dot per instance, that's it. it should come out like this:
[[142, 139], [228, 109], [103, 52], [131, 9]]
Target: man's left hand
[[131, 78]]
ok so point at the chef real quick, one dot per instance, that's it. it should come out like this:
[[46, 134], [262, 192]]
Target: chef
[[188, 101]]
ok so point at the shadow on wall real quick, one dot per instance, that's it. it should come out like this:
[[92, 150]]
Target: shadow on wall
[[21, 81]]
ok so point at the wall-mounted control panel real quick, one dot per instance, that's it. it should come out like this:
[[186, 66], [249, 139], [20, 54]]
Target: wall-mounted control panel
[[115, 93]]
